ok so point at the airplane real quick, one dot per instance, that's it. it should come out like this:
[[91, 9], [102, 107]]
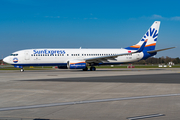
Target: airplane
[[82, 58]]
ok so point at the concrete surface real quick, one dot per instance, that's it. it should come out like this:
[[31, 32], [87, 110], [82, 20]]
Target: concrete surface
[[56, 86]]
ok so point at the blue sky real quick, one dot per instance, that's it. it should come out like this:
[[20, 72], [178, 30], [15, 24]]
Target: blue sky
[[26, 24]]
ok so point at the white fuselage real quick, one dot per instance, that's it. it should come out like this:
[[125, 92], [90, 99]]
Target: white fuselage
[[55, 57]]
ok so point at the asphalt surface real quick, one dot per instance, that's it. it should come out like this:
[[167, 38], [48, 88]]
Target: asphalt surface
[[118, 94], [170, 78]]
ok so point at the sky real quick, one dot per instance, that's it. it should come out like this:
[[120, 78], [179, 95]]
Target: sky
[[26, 24]]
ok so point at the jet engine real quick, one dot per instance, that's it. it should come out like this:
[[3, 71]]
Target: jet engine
[[76, 64]]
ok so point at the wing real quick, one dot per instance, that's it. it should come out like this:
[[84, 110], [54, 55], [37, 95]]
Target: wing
[[105, 58], [113, 57], [160, 50]]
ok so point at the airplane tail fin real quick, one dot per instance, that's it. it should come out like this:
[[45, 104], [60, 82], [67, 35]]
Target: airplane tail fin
[[151, 35]]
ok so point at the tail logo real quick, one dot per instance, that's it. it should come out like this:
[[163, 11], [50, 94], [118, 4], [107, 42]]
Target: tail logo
[[151, 33]]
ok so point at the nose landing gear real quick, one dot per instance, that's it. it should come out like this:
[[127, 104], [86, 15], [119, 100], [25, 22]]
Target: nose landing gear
[[22, 70]]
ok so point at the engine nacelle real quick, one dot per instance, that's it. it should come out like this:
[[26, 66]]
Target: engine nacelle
[[76, 64]]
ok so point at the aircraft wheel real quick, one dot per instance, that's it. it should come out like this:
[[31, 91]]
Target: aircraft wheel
[[22, 70], [92, 69]]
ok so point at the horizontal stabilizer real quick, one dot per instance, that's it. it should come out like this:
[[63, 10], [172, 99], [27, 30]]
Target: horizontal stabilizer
[[160, 50]]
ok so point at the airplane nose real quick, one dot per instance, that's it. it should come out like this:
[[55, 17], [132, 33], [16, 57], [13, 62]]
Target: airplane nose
[[6, 59]]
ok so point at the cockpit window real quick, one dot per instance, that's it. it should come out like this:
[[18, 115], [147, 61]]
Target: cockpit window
[[14, 55]]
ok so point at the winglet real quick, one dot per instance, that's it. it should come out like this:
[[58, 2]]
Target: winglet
[[142, 46]]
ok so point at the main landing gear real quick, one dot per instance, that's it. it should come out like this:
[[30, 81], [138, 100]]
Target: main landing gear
[[91, 69], [85, 69]]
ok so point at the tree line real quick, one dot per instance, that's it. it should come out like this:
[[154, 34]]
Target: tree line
[[160, 60]]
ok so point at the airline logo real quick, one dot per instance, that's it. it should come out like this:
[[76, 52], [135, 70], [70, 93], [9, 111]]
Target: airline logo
[[49, 51], [151, 33], [15, 60]]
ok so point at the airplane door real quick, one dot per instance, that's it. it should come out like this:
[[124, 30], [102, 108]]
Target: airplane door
[[27, 55]]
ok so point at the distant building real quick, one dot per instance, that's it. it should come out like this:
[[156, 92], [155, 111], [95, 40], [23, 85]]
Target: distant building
[[170, 63]]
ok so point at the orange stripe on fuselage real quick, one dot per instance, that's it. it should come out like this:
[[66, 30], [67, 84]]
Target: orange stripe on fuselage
[[135, 46], [138, 46]]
